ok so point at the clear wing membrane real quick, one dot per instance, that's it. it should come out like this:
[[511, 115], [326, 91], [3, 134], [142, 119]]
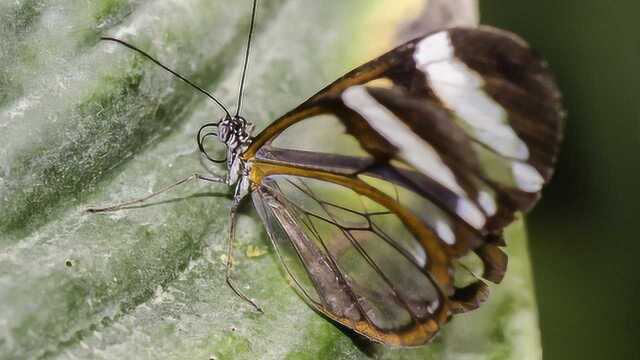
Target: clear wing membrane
[[474, 110], [352, 258], [460, 128]]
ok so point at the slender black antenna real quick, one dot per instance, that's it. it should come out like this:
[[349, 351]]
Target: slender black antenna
[[169, 70], [246, 57]]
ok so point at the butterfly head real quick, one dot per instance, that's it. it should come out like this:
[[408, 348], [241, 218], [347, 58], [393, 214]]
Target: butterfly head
[[234, 132]]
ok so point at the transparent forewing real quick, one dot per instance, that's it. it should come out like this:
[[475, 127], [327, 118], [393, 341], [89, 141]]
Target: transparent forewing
[[321, 134], [474, 112], [456, 131], [352, 258]]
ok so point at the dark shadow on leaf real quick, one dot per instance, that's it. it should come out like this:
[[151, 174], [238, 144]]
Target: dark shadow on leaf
[[366, 346]]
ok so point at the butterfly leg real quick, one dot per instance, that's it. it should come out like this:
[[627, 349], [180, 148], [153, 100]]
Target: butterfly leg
[[128, 203], [232, 235]]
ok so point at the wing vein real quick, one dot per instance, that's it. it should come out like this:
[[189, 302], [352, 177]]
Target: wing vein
[[354, 242]]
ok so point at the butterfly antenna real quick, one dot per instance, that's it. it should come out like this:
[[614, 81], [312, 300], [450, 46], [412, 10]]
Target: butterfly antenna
[[246, 57], [104, 38]]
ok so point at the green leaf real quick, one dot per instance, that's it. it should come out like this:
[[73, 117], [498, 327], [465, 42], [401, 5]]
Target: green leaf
[[85, 123]]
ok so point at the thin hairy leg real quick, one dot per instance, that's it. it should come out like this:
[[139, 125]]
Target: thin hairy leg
[[128, 203], [232, 236]]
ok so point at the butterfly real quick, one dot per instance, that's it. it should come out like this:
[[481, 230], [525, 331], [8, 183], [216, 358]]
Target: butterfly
[[452, 134]]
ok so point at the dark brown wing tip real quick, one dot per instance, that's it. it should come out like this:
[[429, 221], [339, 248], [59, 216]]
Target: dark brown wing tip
[[495, 262]]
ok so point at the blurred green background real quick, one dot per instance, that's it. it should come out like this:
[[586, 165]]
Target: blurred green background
[[583, 235]]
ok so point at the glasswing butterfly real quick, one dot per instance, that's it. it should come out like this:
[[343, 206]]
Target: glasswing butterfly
[[452, 134]]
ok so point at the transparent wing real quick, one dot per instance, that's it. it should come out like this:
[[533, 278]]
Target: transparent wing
[[474, 111], [452, 133], [353, 259]]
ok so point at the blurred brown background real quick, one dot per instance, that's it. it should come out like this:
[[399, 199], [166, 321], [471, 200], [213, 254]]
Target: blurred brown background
[[584, 234]]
